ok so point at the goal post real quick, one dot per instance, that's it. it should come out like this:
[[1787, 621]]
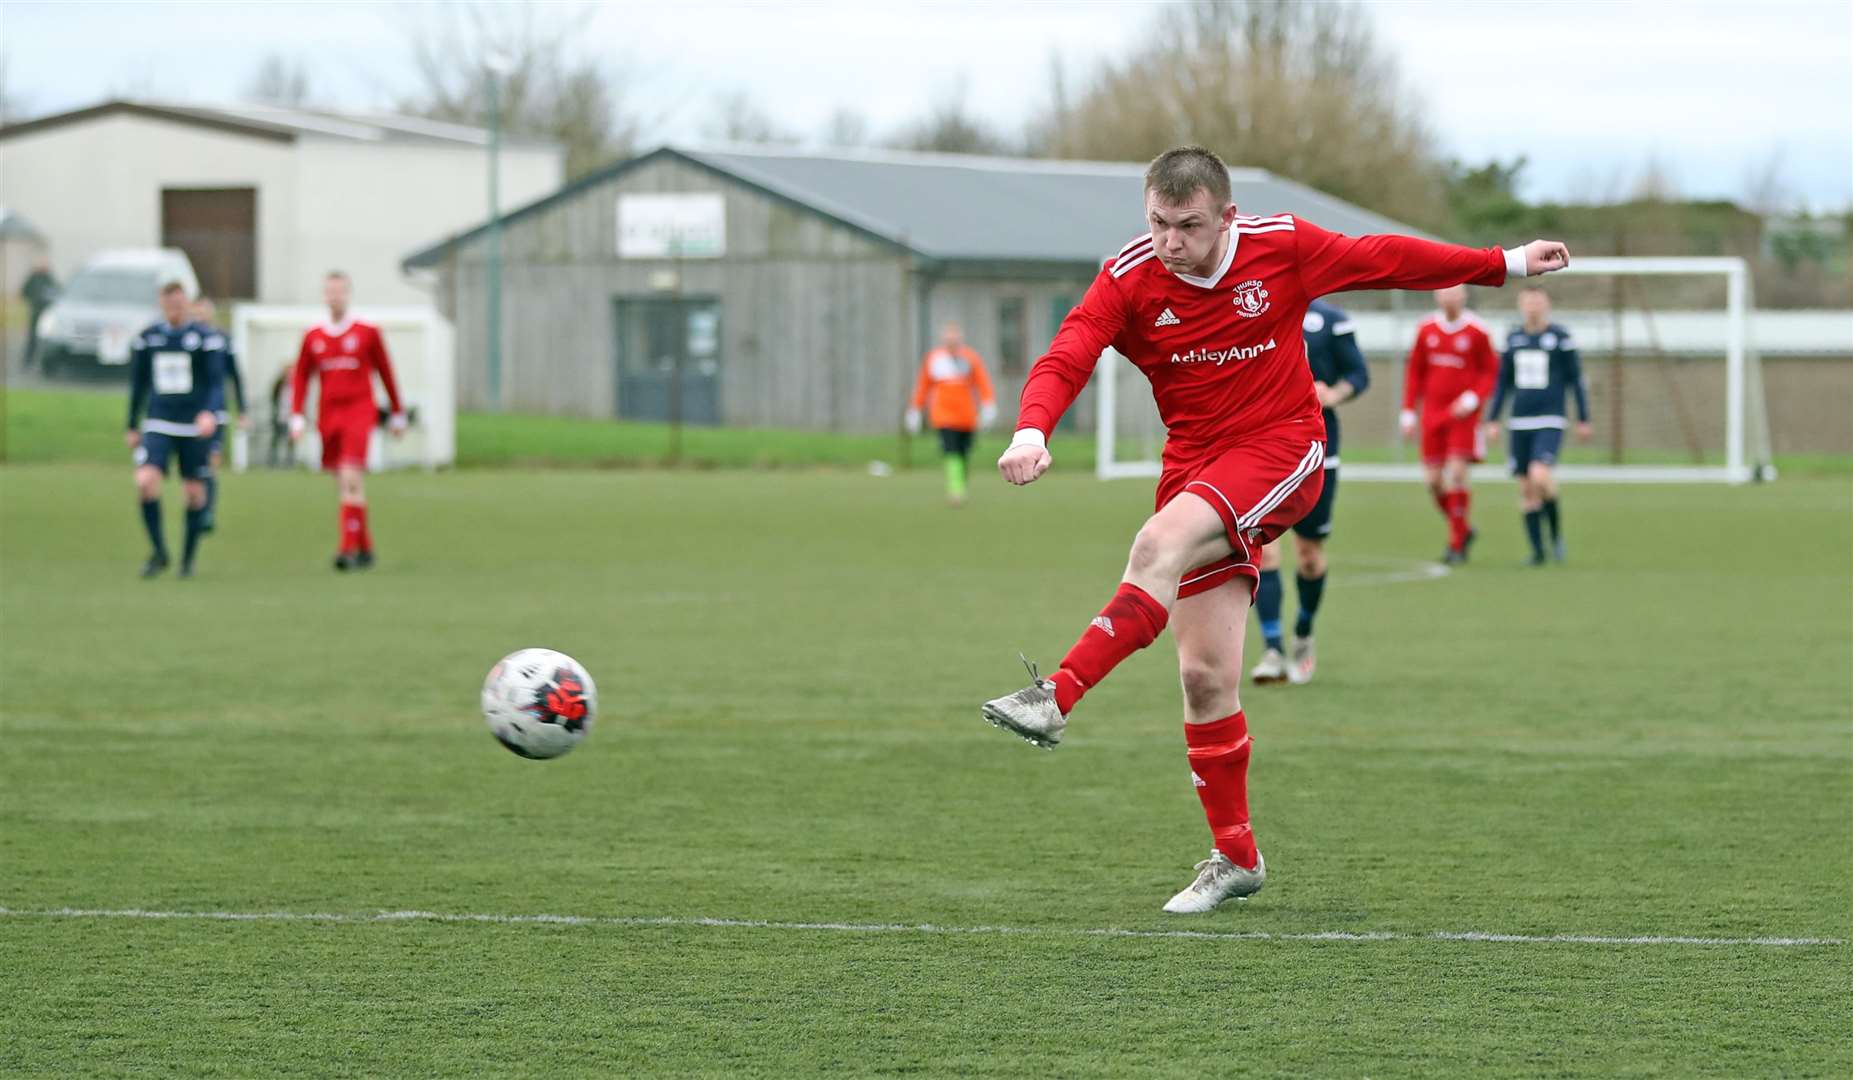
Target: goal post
[[1669, 355], [422, 346]]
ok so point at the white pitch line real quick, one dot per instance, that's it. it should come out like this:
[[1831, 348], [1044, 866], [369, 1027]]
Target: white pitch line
[[909, 928]]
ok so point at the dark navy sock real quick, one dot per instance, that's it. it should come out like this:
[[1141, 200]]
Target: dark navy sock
[[1267, 606], [1534, 531], [195, 519], [151, 520], [212, 495], [1550, 515], [1312, 590]]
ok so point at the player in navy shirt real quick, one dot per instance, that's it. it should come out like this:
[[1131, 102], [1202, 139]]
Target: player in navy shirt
[[1339, 374], [1539, 366], [176, 391]]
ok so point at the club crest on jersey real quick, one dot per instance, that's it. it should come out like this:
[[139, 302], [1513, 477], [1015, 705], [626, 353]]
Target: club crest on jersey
[[1251, 298], [349, 342]]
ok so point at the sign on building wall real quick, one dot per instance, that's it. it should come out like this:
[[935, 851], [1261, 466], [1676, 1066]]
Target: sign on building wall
[[672, 226]]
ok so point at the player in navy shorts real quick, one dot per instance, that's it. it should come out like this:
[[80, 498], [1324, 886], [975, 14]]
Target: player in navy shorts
[[176, 392], [1539, 366]]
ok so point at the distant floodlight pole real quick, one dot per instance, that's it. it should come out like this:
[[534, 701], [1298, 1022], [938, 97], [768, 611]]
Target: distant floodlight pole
[[495, 67]]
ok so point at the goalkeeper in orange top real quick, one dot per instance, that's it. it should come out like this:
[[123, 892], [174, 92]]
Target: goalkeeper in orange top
[[955, 391]]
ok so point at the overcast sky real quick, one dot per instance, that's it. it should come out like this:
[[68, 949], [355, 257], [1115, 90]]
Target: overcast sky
[[1588, 91]]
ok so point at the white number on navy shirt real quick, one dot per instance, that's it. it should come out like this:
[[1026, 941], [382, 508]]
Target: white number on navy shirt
[[173, 373], [1531, 369]]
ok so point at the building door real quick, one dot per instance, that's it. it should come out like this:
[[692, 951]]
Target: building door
[[656, 337], [217, 228]]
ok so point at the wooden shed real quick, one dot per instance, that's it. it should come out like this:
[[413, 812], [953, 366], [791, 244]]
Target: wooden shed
[[792, 288]]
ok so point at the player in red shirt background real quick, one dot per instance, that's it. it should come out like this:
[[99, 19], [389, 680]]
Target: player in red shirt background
[[1451, 372], [1209, 306], [346, 353]]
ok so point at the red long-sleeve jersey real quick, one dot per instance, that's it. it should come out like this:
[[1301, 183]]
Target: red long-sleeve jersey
[[346, 356], [1447, 360], [1224, 353]]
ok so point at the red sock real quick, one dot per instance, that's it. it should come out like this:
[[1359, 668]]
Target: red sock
[[366, 535], [1457, 518], [1130, 621], [352, 525], [1444, 500], [1219, 769]]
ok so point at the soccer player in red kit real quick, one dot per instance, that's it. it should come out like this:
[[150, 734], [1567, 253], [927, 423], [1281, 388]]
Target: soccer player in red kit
[[1209, 305], [1451, 372], [346, 353]]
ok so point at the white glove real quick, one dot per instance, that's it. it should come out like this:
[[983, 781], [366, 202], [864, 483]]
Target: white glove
[[987, 415], [913, 421], [396, 423], [1406, 421], [297, 425]]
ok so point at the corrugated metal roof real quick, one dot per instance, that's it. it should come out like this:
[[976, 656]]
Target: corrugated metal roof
[[965, 208], [958, 207]]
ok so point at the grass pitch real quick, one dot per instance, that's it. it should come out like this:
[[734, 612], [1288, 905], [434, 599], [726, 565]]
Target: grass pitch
[[1652, 741]]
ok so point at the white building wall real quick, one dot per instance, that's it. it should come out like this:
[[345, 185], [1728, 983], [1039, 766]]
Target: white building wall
[[321, 203], [94, 185], [365, 207]]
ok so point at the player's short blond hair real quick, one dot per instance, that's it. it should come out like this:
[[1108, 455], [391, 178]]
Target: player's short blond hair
[[1179, 173]]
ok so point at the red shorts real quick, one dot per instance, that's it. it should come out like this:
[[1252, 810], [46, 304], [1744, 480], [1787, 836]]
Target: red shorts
[[344, 435], [1451, 437], [1259, 488]]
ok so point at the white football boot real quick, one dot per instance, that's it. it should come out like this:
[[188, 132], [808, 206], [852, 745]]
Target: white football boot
[[1218, 879], [1271, 669], [1030, 712], [1305, 659]]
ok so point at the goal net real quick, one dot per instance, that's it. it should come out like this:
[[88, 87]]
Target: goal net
[[1668, 354], [421, 344]]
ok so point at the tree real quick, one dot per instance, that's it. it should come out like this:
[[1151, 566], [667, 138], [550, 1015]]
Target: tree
[[547, 89], [1301, 89], [740, 119], [846, 128], [12, 104], [1484, 199], [279, 80], [947, 128]]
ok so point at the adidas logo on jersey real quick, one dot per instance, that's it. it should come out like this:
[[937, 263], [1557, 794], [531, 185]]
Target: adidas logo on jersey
[[1195, 780], [1168, 318]]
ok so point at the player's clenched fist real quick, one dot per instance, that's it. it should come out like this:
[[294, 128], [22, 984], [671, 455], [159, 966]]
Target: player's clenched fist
[[1544, 256], [1024, 463]]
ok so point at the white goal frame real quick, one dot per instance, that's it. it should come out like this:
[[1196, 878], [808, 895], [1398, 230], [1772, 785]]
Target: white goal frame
[[425, 372], [1743, 395]]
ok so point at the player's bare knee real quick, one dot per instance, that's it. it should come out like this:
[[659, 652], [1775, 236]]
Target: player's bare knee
[[1311, 558], [1158, 550], [147, 483], [196, 495], [1211, 685], [1543, 482]]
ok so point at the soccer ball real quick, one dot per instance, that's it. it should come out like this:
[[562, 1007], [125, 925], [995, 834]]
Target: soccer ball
[[539, 703]]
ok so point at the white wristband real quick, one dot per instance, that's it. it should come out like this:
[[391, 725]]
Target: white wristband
[[1029, 436], [1515, 262]]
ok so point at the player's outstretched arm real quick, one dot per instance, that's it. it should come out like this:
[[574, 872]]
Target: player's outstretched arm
[[1057, 378], [1330, 262]]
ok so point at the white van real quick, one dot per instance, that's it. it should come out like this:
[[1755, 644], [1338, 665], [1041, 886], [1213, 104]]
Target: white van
[[99, 312]]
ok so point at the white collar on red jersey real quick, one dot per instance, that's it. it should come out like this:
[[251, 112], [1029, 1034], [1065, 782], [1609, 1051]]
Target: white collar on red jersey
[[1228, 260], [1467, 319], [337, 329]]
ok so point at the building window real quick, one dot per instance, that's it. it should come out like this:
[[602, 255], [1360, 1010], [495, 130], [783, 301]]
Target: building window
[[1012, 336]]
